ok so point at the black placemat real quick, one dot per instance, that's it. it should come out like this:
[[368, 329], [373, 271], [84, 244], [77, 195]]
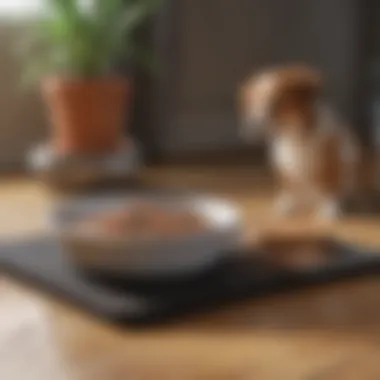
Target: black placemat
[[42, 262]]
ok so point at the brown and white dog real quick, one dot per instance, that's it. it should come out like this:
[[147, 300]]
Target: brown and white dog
[[314, 156]]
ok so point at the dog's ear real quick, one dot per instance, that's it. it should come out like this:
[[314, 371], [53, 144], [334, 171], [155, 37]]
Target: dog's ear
[[299, 88], [303, 84], [257, 92]]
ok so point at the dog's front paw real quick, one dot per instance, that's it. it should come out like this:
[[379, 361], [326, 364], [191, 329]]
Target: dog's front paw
[[285, 205], [329, 211]]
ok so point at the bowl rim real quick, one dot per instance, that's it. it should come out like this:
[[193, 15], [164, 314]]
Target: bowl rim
[[67, 213]]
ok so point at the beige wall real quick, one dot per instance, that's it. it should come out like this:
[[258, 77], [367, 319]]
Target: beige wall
[[22, 121]]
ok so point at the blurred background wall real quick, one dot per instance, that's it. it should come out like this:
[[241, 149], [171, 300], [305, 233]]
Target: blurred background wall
[[220, 42]]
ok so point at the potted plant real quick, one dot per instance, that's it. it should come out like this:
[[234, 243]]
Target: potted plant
[[73, 52]]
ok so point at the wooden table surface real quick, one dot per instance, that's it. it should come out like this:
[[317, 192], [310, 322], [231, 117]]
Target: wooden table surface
[[327, 333]]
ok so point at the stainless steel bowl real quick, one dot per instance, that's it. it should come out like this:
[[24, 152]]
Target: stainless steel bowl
[[154, 257]]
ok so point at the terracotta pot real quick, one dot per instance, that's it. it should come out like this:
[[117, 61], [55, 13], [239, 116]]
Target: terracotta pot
[[89, 116]]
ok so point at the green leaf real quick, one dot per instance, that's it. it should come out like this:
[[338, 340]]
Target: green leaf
[[77, 41]]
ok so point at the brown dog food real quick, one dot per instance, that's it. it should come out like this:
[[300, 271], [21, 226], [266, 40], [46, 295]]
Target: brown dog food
[[144, 221]]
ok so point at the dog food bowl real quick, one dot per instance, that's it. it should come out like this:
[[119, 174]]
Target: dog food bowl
[[130, 255]]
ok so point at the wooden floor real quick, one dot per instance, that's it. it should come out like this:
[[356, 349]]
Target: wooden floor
[[329, 333]]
